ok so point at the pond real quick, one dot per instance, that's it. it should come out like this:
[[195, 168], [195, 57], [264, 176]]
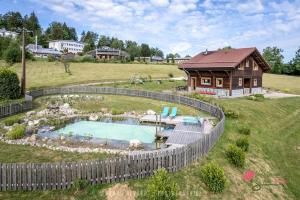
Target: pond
[[114, 132]]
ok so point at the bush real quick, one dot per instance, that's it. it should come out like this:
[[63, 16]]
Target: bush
[[115, 111], [213, 176], [79, 184], [87, 59], [171, 75], [9, 121], [244, 129], [161, 187], [235, 155], [51, 58], [231, 114], [17, 132], [13, 53], [256, 97], [243, 143], [9, 84]]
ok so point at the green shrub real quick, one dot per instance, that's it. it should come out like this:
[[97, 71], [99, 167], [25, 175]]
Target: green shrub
[[51, 58], [213, 176], [87, 59], [161, 187], [17, 132], [243, 143], [79, 184], [13, 53], [115, 111], [256, 97], [9, 121], [235, 155], [9, 84], [244, 129], [231, 113], [171, 75]]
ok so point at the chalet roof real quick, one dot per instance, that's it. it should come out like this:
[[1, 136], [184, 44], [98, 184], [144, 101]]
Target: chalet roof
[[223, 59]]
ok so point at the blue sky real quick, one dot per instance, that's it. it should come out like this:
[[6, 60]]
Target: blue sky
[[183, 26]]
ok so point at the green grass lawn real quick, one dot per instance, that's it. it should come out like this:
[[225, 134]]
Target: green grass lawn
[[47, 74], [273, 153], [283, 83]]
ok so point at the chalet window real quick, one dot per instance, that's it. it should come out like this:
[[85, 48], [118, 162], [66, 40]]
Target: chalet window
[[205, 81], [255, 82], [240, 81], [247, 63], [219, 82], [255, 66], [241, 66]]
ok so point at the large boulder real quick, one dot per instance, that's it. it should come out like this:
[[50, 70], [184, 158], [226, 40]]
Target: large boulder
[[135, 143], [93, 117], [150, 112]]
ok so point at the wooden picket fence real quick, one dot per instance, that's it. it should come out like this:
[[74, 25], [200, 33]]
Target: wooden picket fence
[[15, 108], [137, 164]]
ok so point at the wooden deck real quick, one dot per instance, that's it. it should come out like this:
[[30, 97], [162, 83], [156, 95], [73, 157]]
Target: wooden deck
[[182, 134]]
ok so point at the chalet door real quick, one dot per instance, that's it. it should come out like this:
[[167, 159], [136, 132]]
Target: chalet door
[[193, 83], [247, 82]]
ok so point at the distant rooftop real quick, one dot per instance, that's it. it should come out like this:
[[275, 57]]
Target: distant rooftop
[[66, 41]]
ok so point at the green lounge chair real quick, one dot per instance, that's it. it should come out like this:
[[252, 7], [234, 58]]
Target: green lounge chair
[[165, 112], [173, 112]]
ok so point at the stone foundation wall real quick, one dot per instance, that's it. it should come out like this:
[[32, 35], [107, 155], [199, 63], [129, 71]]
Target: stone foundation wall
[[257, 90]]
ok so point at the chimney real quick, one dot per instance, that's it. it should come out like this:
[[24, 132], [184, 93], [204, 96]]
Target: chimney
[[206, 52]]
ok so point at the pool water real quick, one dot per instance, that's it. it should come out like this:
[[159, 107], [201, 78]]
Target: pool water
[[113, 131], [107, 129]]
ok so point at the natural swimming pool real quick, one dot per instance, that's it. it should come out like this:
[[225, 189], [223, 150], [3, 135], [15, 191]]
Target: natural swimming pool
[[109, 130]]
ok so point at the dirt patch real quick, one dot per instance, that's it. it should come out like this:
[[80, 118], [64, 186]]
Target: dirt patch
[[120, 191]]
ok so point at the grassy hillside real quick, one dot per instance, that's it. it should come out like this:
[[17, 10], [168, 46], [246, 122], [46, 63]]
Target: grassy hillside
[[45, 74], [274, 153], [287, 84]]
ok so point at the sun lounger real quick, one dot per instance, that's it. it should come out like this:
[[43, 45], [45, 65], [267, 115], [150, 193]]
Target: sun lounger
[[173, 112], [165, 112]]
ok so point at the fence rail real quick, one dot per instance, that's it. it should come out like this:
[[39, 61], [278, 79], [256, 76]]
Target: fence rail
[[139, 164]]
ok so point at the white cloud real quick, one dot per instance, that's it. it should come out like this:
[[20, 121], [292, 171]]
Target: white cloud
[[185, 26], [180, 47], [160, 3]]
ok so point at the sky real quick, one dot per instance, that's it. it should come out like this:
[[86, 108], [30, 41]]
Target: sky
[[177, 26]]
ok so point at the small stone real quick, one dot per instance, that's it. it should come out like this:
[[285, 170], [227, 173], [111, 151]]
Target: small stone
[[33, 138], [104, 110], [30, 113], [62, 137]]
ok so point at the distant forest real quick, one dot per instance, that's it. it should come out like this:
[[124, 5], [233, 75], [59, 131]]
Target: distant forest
[[14, 21]]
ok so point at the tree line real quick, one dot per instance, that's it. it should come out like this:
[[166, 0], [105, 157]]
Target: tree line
[[273, 55], [14, 21]]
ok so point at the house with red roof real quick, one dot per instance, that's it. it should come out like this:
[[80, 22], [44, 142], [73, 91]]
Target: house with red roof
[[226, 72]]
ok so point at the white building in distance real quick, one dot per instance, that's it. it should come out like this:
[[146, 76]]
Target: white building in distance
[[5, 33], [70, 45]]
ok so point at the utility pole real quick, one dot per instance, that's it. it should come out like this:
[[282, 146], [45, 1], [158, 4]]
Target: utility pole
[[23, 78]]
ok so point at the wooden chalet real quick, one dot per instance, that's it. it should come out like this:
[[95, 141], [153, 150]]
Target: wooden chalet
[[230, 72]]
